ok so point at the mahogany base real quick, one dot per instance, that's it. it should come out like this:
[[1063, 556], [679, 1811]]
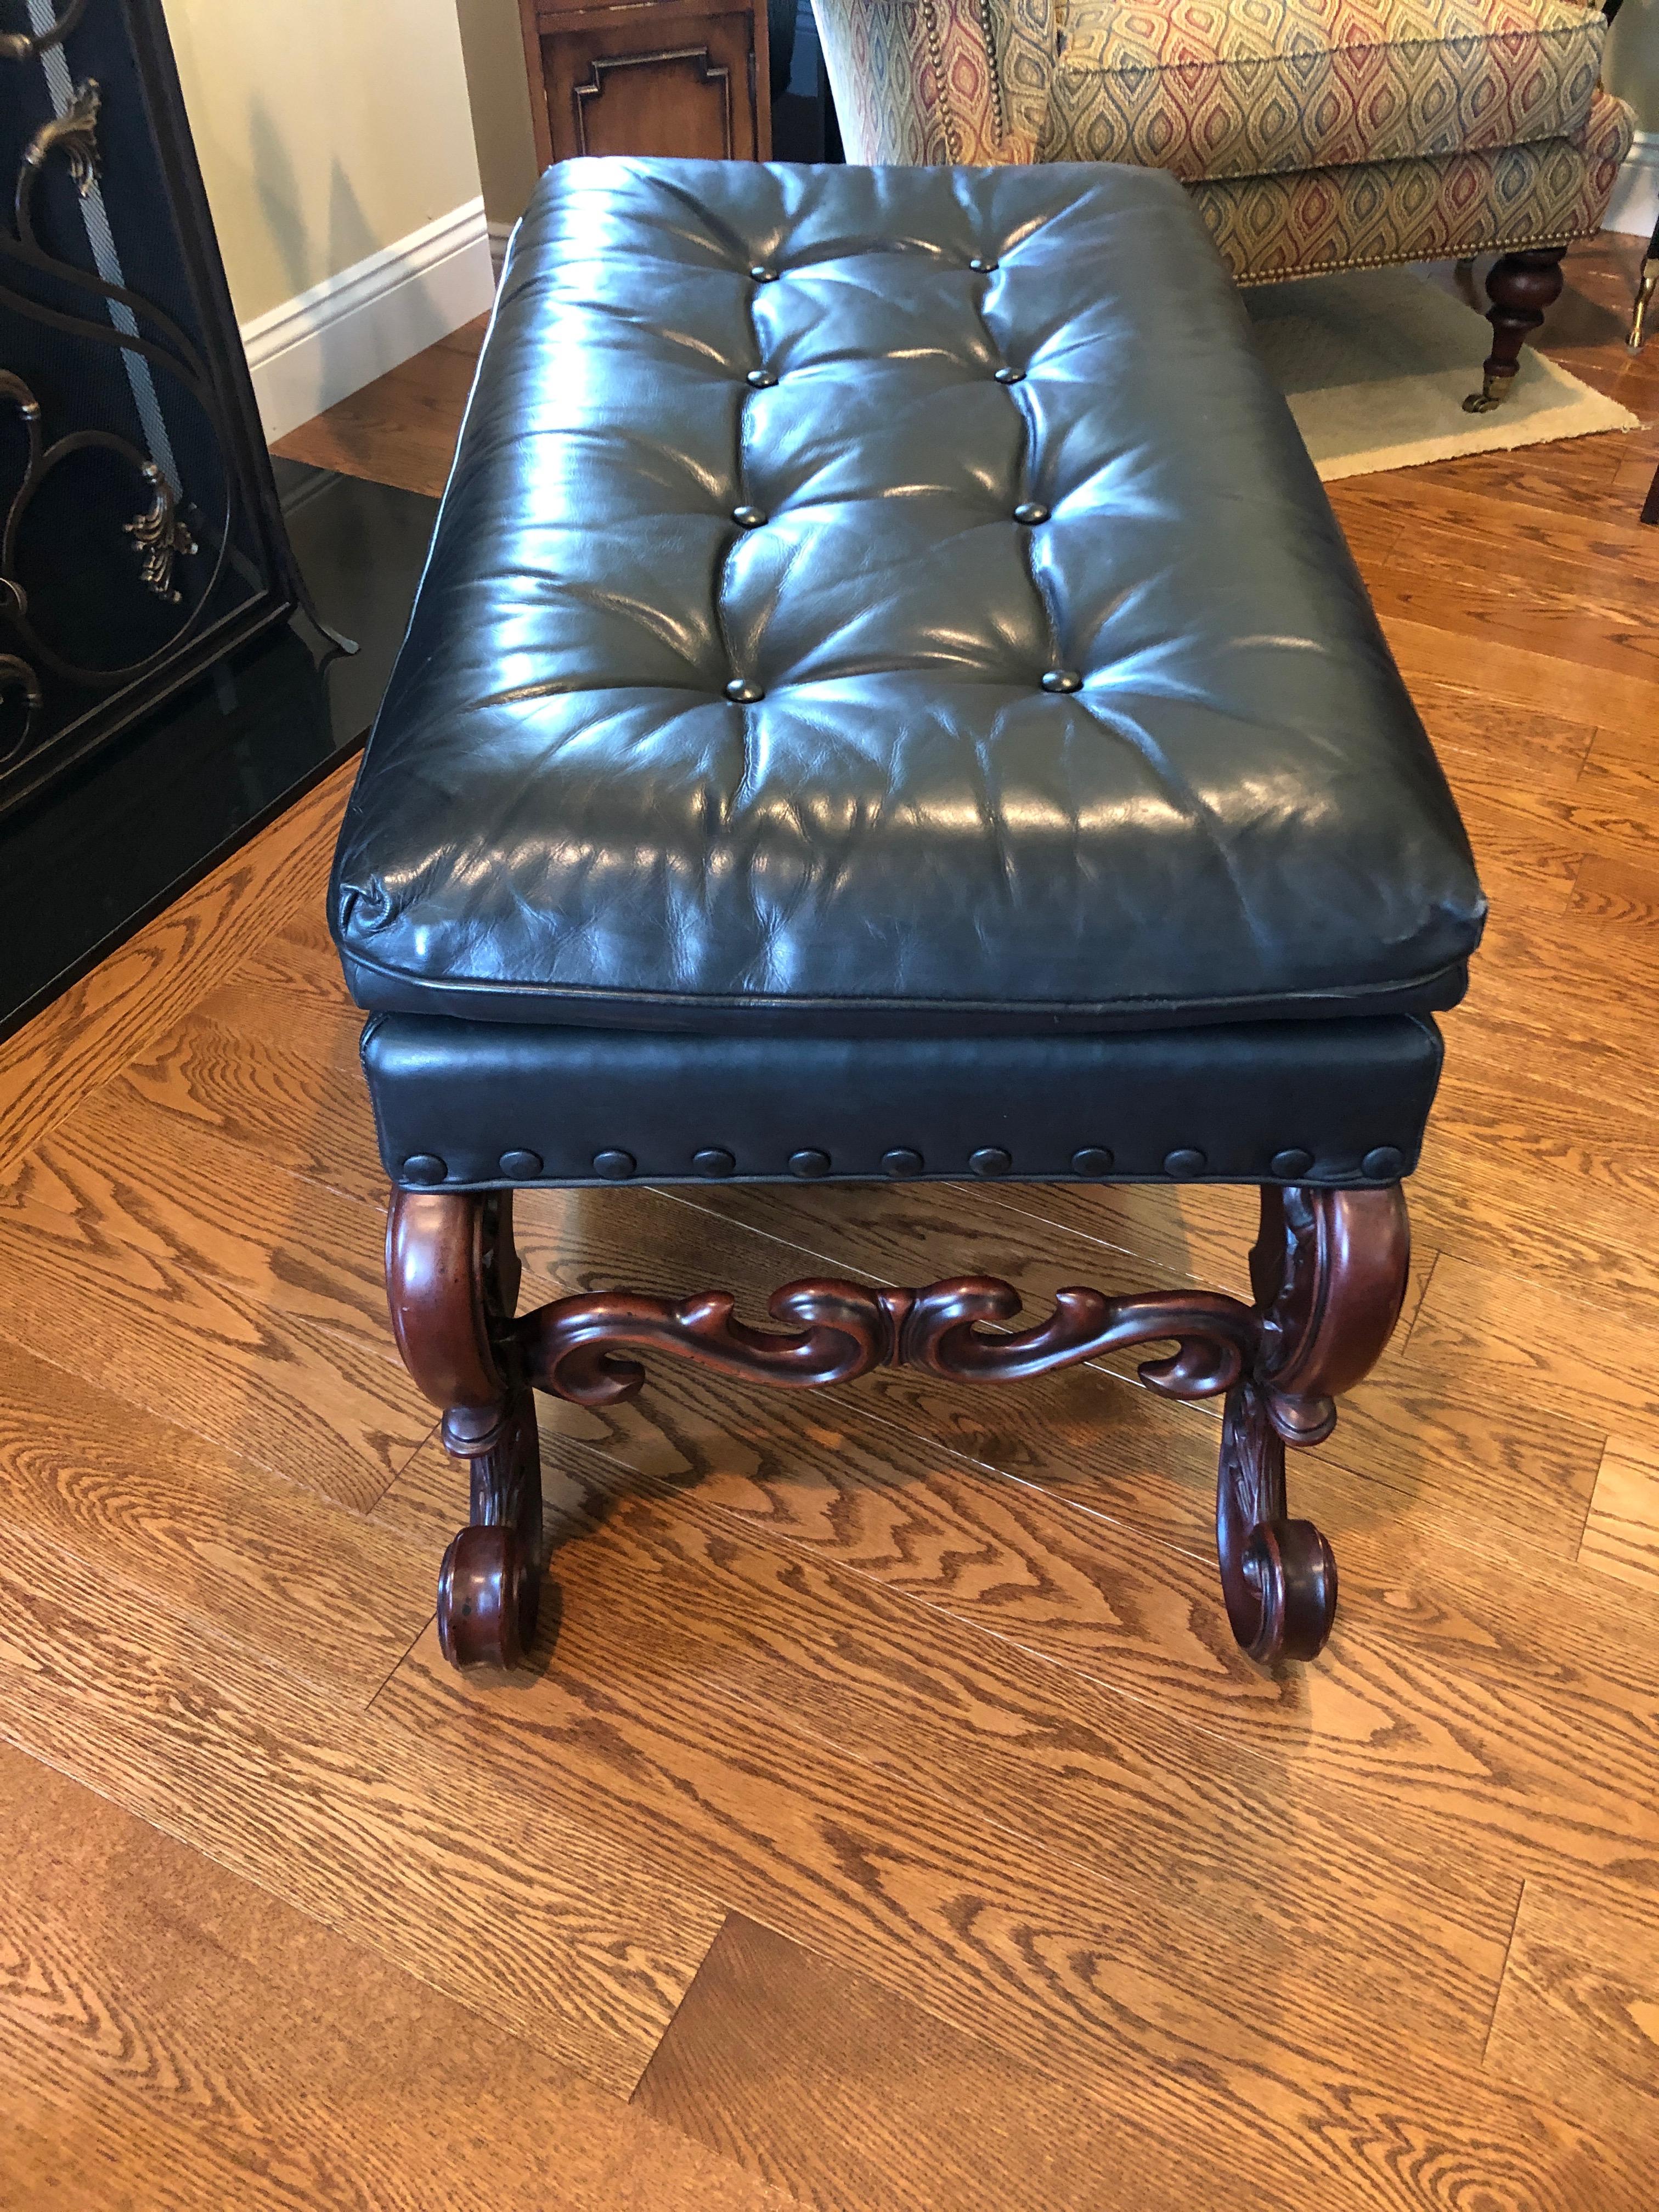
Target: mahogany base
[[1522, 287], [1328, 1273]]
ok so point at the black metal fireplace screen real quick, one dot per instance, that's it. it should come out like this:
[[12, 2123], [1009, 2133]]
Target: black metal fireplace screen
[[140, 533]]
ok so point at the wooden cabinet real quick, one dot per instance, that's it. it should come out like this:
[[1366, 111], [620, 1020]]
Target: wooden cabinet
[[686, 77]]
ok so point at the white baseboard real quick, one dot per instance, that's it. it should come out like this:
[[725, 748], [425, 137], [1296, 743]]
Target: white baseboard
[[1635, 203], [347, 330], [500, 234]]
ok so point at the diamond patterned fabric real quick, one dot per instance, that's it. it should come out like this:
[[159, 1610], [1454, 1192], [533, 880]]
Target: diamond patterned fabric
[[1211, 88], [1432, 209]]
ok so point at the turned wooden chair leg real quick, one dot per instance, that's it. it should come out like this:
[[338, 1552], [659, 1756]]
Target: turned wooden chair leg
[[451, 1278], [1522, 288], [1328, 1270]]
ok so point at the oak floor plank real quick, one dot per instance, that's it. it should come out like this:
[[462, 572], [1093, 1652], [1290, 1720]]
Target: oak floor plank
[[125, 1178], [304, 1401], [322, 1592], [513, 1908], [274, 1075], [1621, 1531], [140, 1985], [859, 2101], [986, 1937], [112, 1013], [1617, 893], [1578, 2018]]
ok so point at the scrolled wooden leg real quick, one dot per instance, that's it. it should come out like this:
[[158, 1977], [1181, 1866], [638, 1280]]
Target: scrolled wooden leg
[[1522, 287], [451, 1283], [1328, 1270]]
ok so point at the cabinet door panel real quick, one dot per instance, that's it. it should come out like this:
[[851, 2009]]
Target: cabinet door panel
[[643, 87]]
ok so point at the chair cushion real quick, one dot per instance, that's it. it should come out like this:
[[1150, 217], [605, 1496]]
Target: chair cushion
[[1258, 87], [1548, 192], [644, 764]]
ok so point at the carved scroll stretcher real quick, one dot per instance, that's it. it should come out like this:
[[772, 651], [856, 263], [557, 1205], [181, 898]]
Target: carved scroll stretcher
[[1328, 1272]]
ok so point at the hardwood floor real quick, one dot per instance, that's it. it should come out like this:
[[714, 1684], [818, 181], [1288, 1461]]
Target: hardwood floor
[[887, 1822]]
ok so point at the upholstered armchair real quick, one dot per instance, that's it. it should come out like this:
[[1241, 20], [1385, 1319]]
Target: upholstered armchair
[[1315, 135]]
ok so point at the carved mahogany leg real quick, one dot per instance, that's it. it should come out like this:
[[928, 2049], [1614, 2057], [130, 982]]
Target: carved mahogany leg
[[1328, 1270], [453, 1281], [1522, 288]]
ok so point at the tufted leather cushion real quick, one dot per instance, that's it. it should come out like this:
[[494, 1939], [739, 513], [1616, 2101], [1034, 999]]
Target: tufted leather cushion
[[646, 764]]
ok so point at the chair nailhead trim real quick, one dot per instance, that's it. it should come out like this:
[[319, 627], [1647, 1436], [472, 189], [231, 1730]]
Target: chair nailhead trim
[[809, 1164], [424, 1167], [615, 1167], [1185, 1163], [714, 1162], [902, 1162], [990, 1160], [1383, 1163], [1292, 1163], [522, 1167], [1092, 1160]]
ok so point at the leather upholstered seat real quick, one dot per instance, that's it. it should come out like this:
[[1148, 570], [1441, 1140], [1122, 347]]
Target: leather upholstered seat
[[890, 605], [566, 815]]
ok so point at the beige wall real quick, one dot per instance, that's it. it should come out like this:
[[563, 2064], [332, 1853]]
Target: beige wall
[[1632, 63], [326, 129], [498, 82]]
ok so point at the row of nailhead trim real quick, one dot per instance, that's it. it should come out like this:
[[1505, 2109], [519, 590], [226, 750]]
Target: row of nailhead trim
[[1382, 1164]]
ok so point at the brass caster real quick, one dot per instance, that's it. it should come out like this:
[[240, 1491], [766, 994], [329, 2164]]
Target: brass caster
[[1647, 287], [1490, 395]]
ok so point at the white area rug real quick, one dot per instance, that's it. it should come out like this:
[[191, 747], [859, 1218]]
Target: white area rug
[[1377, 365]]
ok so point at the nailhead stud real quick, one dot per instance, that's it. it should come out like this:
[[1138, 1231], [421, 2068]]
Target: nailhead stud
[[714, 1162], [745, 694], [990, 1160], [1186, 1163], [1291, 1164], [763, 274], [902, 1162], [424, 1167], [982, 268], [1032, 511], [615, 1167], [1061, 679], [1092, 1160], [521, 1167], [762, 378], [1384, 1163], [809, 1164], [1010, 376], [748, 518]]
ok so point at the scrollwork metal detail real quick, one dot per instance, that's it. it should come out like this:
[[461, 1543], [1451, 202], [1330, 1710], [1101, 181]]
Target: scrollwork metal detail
[[75, 135], [24, 45], [16, 675]]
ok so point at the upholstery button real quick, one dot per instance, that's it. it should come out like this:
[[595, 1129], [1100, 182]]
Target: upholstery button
[[714, 1162], [762, 378], [902, 1162], [615, 1167], [982, 268], [1383, 1164], [522, 1167], [809, 1164], [746, 694], [1031, 510], [991, 1160], [763, 274], [1092, 1160], [1291, 1164], [1184, 1164], [424, 1167], [1010, 376], [1061, 679], [748, 518]]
